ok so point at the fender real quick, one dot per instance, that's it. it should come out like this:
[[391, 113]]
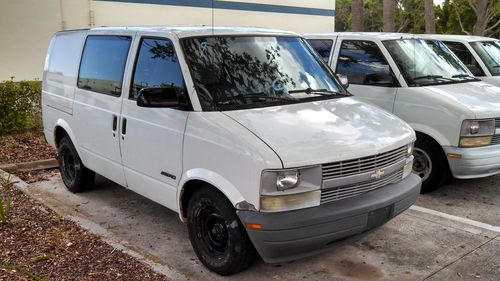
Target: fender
[[63, 124], [210, 177], [431, 132]]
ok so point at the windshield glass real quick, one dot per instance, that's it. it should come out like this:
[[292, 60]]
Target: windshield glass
[[427, 62], [489, 51], [246, 72]]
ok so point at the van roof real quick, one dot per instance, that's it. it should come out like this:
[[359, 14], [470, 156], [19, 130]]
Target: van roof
[[458, 38], [378, 35], [192, 30]]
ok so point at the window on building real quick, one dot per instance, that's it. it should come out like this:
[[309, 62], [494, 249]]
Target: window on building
[[466, 57], [157, 66], [364, 64], [323, 47], [103, 63]]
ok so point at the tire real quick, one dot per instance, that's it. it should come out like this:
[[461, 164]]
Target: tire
[[74, 174], [429, 163], [218, 238]]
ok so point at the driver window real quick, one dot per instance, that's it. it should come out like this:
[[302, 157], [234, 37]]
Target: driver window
[[364, 64], [466, 57], [157, 66]]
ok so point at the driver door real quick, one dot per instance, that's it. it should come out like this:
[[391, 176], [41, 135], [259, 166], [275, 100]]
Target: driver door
[[370, 75]]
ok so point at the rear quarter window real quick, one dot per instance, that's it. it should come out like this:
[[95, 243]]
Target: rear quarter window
[[103, 63]]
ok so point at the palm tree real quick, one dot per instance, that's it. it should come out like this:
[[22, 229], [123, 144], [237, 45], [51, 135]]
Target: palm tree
[[388, 11], [357, 15], [430, 25]]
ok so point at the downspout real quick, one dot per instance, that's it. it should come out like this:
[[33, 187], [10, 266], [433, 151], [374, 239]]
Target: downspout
[[91, 14]]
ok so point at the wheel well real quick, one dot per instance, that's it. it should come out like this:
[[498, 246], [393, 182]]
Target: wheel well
[[427, 138], [59, 134], [189, 189]]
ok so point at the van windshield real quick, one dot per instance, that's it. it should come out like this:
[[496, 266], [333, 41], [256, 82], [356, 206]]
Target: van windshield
[[236, 72], [489, 51], [427, 62]]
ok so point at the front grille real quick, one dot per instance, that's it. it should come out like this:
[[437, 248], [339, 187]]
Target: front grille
[[363, 165], [497, 123], [496, 140], [343, 192]]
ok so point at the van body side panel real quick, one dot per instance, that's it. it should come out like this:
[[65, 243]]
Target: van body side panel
[[62, 70]]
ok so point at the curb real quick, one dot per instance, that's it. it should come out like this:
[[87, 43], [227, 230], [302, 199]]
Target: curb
[[30, 166], [94, 228]]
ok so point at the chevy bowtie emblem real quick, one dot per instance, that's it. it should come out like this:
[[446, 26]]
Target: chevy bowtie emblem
[[378, 174]]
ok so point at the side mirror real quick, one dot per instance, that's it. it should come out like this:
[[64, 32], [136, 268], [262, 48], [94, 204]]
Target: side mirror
[[171, 97], [344, 81]]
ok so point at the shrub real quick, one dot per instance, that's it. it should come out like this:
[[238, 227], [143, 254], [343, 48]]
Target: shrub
[[20, 106]]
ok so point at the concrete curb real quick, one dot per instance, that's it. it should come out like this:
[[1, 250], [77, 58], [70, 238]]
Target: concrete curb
[[30, 166], [92, 227]]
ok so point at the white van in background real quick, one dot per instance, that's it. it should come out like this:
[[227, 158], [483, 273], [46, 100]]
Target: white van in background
[[456, 116], [244, 132], [481, 55]]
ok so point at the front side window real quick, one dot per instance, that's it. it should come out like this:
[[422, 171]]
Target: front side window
[[489, 52], [323, 47], [236, 72], [364, 64], [157, 66], [461, 51], [103, 63], [427, 62]]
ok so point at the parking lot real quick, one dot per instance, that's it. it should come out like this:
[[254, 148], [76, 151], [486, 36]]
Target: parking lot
[[450, 234]]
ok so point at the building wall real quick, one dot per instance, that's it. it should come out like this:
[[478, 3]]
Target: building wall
[[26, 26]]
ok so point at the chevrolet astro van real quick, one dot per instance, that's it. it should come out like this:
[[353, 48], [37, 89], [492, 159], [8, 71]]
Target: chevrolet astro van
[[455, 115], [244, 132], [480, 54]]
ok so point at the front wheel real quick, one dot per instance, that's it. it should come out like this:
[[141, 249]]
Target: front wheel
[[217, 236], [429, 163], [74, 174]]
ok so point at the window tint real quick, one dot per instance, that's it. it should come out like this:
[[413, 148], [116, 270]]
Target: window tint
[[103, 62], [364, 63], [466, 57], [323, 47], [157, 66]]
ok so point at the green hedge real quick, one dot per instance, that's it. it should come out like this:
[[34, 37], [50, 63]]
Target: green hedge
[[20, 106]]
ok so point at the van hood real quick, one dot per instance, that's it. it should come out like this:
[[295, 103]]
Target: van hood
[[481, 98], [325, 131]]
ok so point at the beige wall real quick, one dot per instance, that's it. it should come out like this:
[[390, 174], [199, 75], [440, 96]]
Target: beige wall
[[26, 26]]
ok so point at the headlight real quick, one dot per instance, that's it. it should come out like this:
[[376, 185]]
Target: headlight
[[475, 133], [409, 151], [290, 189]]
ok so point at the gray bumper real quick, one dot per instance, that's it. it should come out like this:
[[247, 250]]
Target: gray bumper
[[296, 234], [475, 162]]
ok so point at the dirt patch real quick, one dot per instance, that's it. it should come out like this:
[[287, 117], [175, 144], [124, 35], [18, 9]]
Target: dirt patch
[[37, 176], [24, 148], [37, 244]]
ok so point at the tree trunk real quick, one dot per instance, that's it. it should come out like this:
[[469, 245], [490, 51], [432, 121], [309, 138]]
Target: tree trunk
[[481, 17], [357, 15], [388, 11], [430, 25]]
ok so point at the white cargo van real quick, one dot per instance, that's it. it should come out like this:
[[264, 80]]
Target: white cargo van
[[245, 133], [481, 55], [456, 116]]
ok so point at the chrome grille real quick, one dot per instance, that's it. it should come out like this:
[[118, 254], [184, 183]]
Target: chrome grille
[[343, 192], [497, 123], [496, 140], [363, 165]]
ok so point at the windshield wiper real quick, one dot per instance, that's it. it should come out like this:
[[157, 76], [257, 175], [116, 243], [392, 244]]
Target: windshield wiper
[[464, 76], [310, 91], [429, 77]]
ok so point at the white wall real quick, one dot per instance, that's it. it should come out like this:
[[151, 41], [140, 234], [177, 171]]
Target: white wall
[[26, 26]]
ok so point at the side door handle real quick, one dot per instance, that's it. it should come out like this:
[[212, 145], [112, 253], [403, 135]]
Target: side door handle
[[124, 127], [115, 124]]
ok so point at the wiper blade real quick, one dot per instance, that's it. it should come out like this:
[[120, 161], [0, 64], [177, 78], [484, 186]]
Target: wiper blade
[[428, 77], [463, 76], [309, 91], [232, 100]]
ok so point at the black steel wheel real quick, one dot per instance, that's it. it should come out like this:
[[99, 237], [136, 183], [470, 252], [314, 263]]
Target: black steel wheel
[[430, 163], [219, 239], [74, 174]]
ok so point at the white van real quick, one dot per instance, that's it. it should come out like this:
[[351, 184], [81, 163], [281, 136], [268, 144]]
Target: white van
[[245, 133], [456, 116], [481, 55]]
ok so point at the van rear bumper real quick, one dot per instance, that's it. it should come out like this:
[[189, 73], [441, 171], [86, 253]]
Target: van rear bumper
[[296, 234]]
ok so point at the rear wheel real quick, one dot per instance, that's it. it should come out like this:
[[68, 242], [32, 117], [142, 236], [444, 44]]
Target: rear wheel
[[74, 174], [219, 239], [429, 163]]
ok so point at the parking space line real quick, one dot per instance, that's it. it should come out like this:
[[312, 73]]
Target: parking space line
[[456, 218]]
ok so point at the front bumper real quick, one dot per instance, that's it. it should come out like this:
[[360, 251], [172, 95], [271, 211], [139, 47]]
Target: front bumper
[[475, 162], [296, 234]]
